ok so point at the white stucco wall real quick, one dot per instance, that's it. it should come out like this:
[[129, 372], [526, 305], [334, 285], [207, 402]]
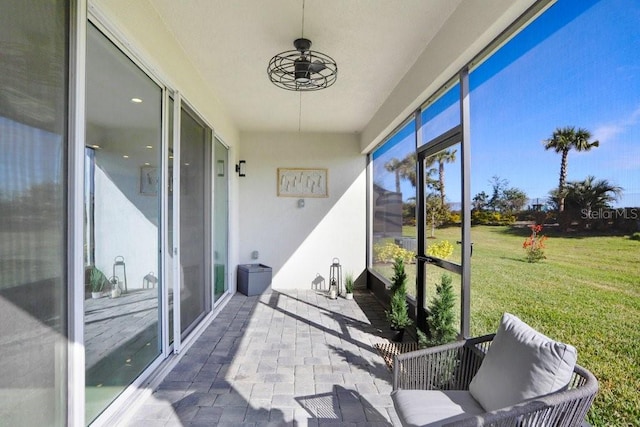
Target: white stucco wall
[[123, 229], [300, 243]]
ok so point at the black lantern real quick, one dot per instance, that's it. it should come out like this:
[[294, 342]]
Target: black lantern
[[118, 264], [335, 279]]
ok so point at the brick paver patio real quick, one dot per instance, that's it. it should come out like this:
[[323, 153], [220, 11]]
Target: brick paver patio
[[291, 358]]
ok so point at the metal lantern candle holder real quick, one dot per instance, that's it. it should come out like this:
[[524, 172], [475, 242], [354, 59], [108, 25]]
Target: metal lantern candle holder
[[335, 279], [118, 264]]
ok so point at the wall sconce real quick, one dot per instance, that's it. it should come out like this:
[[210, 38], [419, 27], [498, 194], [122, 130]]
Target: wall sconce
[[241, 168]]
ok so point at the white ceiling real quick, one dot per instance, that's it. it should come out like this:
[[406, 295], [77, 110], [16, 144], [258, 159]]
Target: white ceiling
[[374, 43]]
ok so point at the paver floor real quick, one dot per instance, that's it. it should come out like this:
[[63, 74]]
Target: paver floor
[[290, 358]]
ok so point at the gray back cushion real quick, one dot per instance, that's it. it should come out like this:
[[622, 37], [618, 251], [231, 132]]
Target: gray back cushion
[[521, 364]]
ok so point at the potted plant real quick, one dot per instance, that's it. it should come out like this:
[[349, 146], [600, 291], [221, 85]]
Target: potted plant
[[441, 316], [96, 281], [348, 286], [399, 278], [398, 314]]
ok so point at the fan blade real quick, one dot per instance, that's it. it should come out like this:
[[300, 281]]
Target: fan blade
[[317, 66]]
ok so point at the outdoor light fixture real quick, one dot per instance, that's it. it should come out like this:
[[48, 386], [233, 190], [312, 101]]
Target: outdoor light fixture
[[302, 69], [241, 168]]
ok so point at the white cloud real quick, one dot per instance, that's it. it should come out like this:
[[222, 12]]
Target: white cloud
[[609, 131]]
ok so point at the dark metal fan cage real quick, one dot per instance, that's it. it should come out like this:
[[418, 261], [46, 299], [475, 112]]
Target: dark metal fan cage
[[302, 69]]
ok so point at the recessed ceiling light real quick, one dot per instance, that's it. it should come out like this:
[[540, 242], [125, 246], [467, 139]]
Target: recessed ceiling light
[[96, 146], [186, 164], [136, 100], [125, 157], [146, 163], [149, 146]]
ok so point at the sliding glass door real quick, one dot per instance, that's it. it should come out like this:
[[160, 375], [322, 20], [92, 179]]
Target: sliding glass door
[[195, 220], [34, 52], [220, 219], [122, 222]]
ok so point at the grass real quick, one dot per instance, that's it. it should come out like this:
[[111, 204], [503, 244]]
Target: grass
[[586, 293]]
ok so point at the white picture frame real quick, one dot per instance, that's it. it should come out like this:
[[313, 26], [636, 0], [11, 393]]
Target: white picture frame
[[149, 180], [303, 182]]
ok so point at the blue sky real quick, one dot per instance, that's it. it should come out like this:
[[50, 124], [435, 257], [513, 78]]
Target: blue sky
[[586, 74], [576, 65], [35, 147]]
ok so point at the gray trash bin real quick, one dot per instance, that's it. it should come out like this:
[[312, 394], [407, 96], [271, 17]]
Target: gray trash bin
[[253, 279]]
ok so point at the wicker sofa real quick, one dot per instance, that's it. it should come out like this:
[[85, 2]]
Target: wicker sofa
[[431, 388]]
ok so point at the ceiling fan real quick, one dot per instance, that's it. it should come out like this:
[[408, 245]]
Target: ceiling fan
[[302, 69]]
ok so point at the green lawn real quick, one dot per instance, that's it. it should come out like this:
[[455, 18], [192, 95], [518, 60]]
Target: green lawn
[[586, 293]]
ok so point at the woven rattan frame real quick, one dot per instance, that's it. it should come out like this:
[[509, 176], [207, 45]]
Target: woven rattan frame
[[452, 366]]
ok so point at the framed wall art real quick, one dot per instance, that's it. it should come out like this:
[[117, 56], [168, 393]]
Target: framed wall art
[[149, 180], [303, 182]]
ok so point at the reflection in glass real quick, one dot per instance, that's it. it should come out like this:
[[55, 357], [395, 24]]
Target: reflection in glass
[[393, 204], [33, 147], [122, 222], [221, 218], [195, 215]]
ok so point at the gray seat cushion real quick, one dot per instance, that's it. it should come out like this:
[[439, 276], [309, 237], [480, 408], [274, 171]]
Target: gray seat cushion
[[433, 407]]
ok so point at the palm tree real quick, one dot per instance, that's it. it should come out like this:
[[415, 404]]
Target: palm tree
[[403, 169], [446, 156], [394, 165], [432, 209], [408, 170], [562, 141], [591, 194]]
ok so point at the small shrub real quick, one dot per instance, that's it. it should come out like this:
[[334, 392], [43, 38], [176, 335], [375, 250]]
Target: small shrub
[[455, 218], [441, 316], [635, 236], [491, 218], [423, 341], [399, 279], [389, 251], [534, 245], [442, 249], [398, 314]]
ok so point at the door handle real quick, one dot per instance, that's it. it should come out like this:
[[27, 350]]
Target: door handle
[[470, 254]]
